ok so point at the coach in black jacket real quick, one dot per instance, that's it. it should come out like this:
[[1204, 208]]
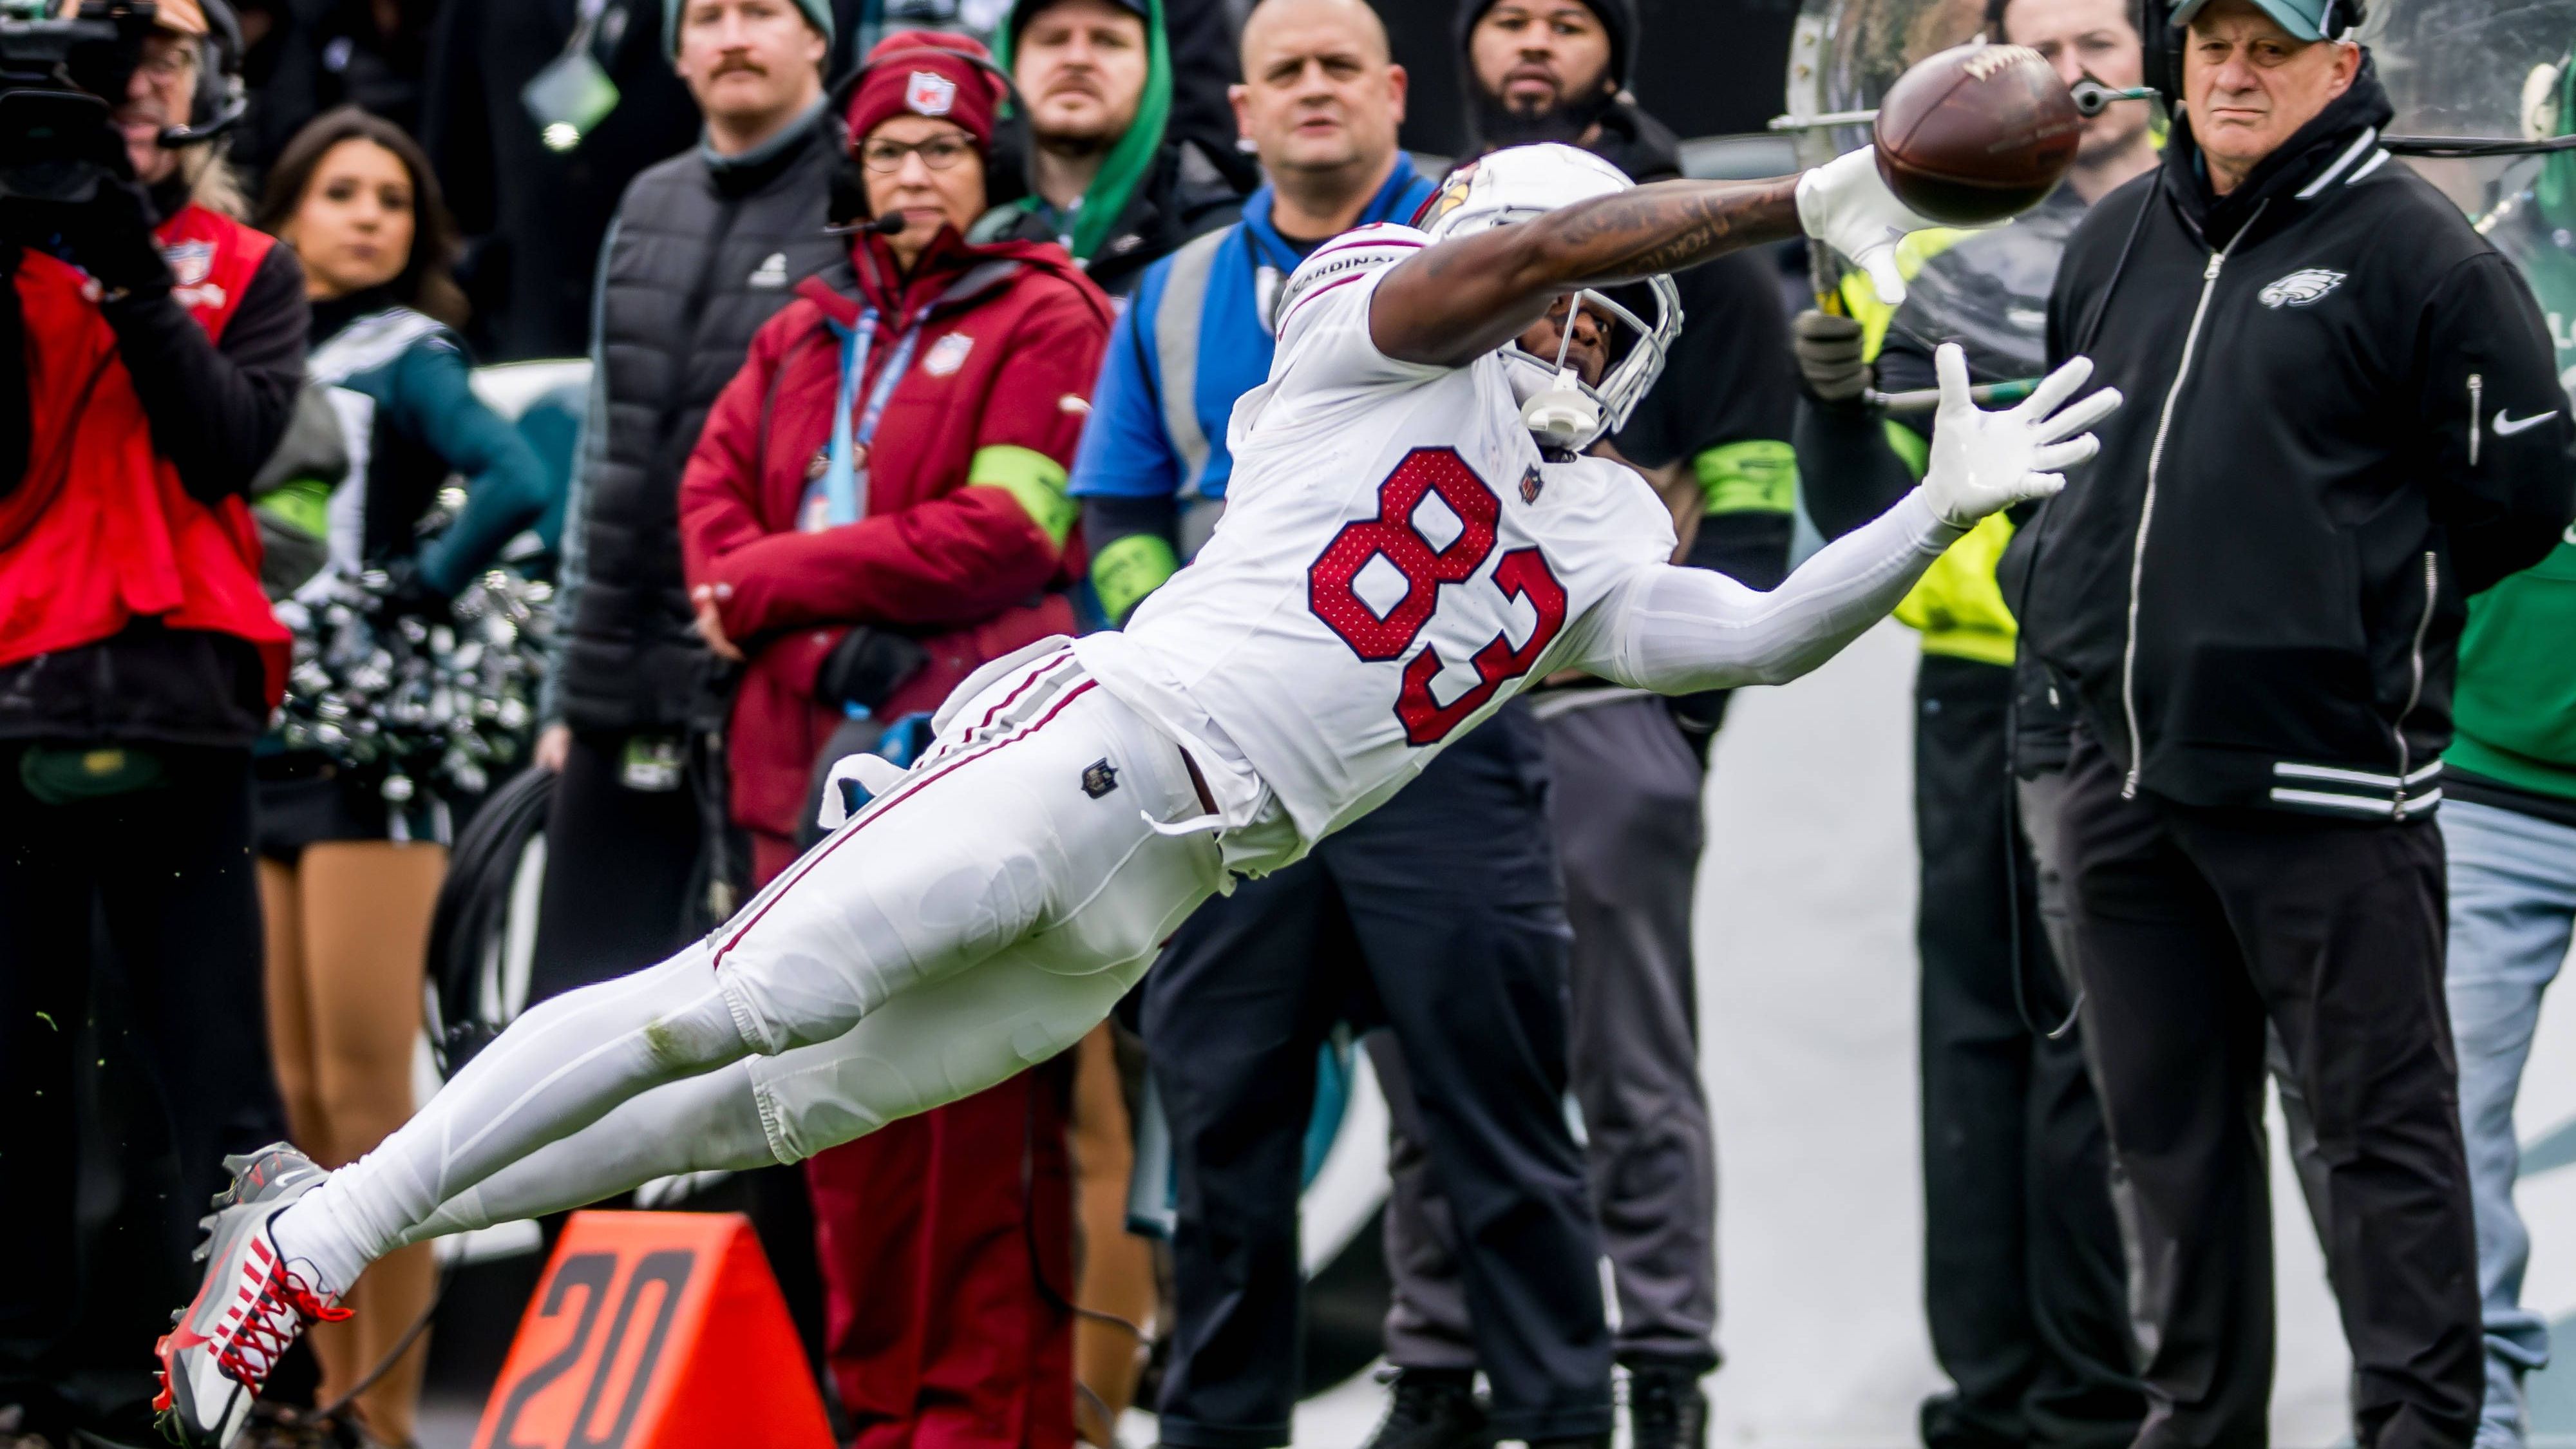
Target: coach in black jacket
[[2344, 418]]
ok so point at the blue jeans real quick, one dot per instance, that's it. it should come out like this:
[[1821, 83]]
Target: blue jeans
[[2513, 905]]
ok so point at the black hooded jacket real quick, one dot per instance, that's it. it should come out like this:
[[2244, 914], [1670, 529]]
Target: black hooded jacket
[[2343, 417]]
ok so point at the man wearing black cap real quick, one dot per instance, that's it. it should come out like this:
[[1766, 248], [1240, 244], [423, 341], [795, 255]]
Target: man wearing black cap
[[1714, 437]]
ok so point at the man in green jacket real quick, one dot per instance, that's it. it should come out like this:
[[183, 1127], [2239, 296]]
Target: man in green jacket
[[2509, 829]]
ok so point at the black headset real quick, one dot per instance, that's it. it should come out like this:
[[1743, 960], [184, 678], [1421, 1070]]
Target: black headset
[[223, 97], [849, 201]]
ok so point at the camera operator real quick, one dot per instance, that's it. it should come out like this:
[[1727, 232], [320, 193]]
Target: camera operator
[[152, 348]]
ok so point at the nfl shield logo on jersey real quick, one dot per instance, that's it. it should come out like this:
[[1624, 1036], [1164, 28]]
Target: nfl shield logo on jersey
[[930, 94], [1531, 483], [189, 261]]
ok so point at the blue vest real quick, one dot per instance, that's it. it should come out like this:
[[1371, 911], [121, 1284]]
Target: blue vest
[[1196, 337]]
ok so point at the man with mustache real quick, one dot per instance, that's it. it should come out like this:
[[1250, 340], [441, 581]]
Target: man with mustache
[[1108, 175], [1713, 434]]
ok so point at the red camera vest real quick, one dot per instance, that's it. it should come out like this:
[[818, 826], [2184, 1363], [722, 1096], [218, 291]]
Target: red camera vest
[[99, 530]]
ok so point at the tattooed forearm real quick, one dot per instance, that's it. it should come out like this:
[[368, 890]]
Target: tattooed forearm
[[1471, 294], [1663, 228]]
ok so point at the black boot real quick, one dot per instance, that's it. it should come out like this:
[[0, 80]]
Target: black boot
[[1432, 1409], [1666, 1409]]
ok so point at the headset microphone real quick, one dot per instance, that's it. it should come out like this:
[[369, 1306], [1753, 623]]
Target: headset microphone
[[886, 225]]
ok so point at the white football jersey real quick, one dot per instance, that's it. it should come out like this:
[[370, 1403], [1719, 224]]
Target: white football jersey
[[1395, 560]]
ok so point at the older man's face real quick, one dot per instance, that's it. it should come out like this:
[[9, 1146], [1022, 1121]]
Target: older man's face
[[2248, 85], [160, 93], [1319, 91]]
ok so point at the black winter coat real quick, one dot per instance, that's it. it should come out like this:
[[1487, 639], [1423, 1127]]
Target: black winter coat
[[2343, 418], [701, 257]]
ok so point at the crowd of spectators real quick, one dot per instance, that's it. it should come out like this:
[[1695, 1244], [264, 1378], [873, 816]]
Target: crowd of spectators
[[912, 338]]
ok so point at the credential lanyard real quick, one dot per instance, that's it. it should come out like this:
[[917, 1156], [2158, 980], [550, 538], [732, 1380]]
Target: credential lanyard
[[841, 500]]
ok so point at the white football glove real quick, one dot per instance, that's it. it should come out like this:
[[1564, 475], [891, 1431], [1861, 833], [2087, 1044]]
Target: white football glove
[[1847, 206], [1984, 462]]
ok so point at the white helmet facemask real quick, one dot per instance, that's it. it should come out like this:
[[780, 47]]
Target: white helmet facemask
[[1562, 411]]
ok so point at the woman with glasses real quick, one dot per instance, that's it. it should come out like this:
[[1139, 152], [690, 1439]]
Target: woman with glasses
[[876, 507]]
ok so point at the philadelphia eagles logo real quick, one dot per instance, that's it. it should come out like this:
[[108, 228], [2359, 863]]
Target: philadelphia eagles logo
[[2299, 288]]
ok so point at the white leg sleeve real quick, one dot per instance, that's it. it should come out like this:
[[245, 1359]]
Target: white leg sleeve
[[704, 1123], [559, 1068], [931, 1045]]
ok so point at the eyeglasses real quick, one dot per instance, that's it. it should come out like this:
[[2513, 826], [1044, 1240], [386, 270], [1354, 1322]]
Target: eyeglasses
[[938, 153], [170, 63]]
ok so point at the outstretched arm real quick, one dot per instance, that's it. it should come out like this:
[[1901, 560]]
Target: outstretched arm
[[1676, 630], [1469, 295]]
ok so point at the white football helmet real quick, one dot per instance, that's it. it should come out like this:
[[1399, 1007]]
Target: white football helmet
[[1519, 184]]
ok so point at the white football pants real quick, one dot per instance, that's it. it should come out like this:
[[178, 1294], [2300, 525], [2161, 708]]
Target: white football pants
[[975, 919]]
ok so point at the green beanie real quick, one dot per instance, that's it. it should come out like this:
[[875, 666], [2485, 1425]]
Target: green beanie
[[818, 13]]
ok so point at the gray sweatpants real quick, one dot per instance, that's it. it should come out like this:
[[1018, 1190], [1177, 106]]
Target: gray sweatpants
[[1627, 815]]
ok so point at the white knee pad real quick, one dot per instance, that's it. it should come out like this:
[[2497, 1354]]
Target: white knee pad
[[930, 1046], [844, 942]]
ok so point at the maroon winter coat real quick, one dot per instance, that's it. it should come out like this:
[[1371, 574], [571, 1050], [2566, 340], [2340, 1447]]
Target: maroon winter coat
[[967, 526]]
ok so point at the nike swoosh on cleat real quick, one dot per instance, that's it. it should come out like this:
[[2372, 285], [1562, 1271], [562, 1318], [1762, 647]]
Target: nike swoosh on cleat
[[2506, 425]]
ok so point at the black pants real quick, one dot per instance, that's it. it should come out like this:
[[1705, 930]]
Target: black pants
[[619, 864], [1626, 810], [1440, 914], [2192, 928], [133, 1056], [2023, 1280]]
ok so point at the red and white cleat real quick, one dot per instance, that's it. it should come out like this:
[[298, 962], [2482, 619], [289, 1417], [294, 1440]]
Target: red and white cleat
[[251, 1307]]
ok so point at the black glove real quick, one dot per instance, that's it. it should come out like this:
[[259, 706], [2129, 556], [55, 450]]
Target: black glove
[[407, 594], [866, 667], [110, 237], [1829, 360]]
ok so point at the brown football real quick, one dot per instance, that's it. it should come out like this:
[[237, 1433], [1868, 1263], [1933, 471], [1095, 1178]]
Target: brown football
[[1976, 133]]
